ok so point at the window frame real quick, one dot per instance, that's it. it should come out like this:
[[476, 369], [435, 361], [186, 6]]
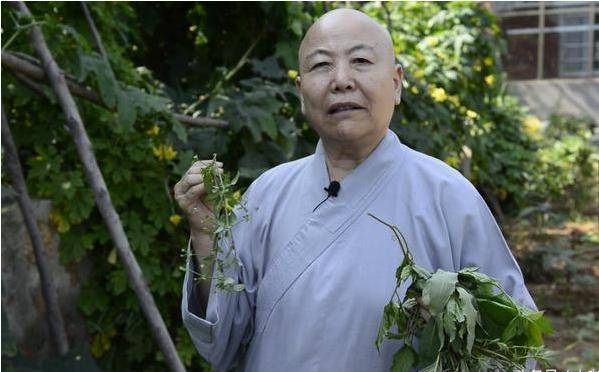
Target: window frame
[[590, 8]]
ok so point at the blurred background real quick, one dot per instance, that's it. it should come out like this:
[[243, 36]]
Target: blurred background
[[507, 93]]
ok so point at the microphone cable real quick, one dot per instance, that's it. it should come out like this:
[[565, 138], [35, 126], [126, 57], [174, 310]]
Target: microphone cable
[[332, 190]]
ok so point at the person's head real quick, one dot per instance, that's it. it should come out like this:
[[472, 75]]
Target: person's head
[[348, 80]]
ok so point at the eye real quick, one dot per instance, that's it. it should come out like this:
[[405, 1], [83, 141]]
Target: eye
[[362, 61], [319, 64]]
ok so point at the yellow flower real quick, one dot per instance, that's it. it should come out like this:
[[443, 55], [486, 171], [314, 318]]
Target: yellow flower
[[452, 161], [153, 131], [439, 94], [418, 73], [441, 55], [532, 124], [292, 74], [471, 114], [490, 80], [431, 41], [454, 99], [414, 90], [175, 219], [462, 109], [164, 152], [488, 61], [169, 153]]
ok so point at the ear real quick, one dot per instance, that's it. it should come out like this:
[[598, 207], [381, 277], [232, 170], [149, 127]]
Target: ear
[[397, 80], [298, 86]]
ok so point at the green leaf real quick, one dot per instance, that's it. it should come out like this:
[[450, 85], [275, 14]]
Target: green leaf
[[269, 68], [107, 84], [544, 324], [495, 316], [437, 290], [296, 27], [178, 128], [264, 119], [270, 126], [435, 366], [466, 300], [472, 273], [514, 328], [403, 360], [450, 318], [126, 110], [420, 272], [429, 343], [403, 272]]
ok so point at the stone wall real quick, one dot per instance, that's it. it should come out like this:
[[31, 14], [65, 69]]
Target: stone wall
[[23, 308]]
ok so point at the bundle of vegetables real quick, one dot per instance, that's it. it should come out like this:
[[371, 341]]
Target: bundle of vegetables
[[463, 321]]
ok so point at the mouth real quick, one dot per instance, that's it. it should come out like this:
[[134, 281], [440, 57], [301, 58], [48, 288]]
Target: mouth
[[343, 107]]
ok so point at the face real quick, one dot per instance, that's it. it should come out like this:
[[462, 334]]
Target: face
[[348, 82]]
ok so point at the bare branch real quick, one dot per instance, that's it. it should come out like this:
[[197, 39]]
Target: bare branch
[[16, 63], [95, 33], [37, 88]]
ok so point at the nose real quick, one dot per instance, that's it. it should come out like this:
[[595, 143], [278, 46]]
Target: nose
[[342, 79]]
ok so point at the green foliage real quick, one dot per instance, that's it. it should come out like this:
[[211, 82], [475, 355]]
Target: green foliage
[[461, 322], [566, 165], [138, 171], [226, 62], [454, 101]]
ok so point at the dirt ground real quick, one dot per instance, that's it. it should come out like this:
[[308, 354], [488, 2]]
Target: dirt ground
[[559, 257]]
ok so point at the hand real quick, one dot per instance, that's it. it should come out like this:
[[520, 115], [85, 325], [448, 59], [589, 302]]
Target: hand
[[190, 194]]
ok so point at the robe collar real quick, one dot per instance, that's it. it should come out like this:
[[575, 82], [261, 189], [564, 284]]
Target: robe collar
[[355, 186]]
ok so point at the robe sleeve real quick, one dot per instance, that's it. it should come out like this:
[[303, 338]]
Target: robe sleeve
[[227, 328], [476, 240]]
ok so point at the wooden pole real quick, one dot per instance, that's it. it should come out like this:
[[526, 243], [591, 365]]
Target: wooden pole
[[102, 197], [25, 66], [11, 160]]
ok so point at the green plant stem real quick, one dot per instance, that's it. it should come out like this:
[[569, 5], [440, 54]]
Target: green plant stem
[[20, 28], [242, 61]]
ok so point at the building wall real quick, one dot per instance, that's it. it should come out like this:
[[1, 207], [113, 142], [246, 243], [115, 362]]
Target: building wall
[[579, 97]]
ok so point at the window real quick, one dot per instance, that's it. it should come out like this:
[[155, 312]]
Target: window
[[550, 40]]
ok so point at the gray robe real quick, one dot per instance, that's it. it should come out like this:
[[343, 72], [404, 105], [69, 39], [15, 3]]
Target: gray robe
[[317, 282]]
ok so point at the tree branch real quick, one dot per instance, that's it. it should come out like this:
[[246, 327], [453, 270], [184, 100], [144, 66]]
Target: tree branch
[[95, 33], [37, 88], [17, 63], [11, 160], [102, 197]]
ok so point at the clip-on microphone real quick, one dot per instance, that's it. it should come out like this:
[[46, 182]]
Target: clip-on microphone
[[332, 190]]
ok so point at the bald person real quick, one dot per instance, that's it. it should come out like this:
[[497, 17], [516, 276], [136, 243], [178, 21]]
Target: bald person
[[317, 269]]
